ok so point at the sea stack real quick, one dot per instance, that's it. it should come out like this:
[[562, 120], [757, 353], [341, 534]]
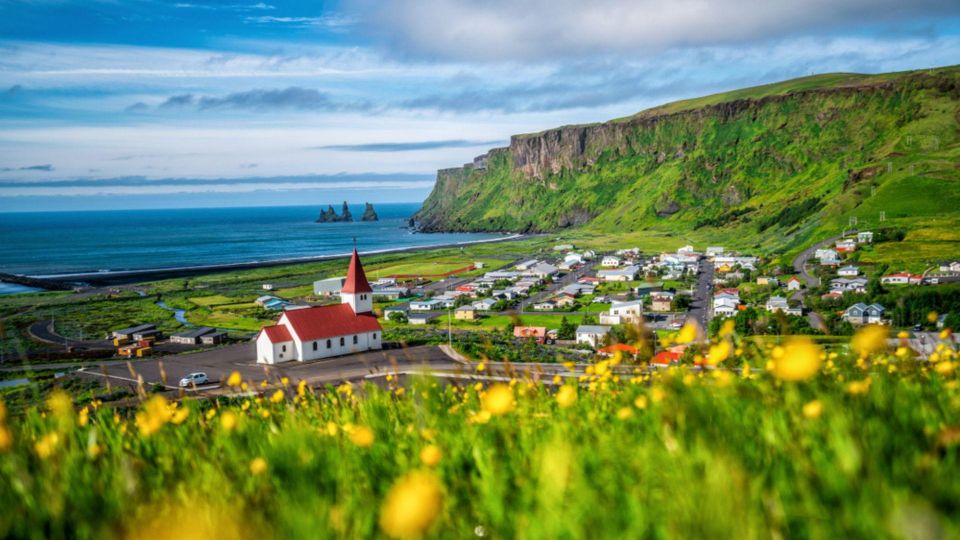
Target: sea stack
[[369, 214], [346, 216]]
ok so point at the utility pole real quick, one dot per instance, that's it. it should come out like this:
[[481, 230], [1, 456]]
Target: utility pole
[[450, 327], [883, 216]]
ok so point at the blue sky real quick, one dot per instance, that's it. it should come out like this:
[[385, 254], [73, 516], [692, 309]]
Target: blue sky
[[149, 103]]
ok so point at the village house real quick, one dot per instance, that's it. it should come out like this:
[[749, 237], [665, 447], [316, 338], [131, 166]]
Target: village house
[[861, 313], [714, 251], [901, 278], [592, 335], [627, 273], [630, 311], [536, 333], [768, 280], [794, 283], [192, 337], [952, 267], [564, 300], [848, 271], [625, 350], [779, 303], [844, 285], [827, 257], [661, 301], [526, 265], [609, 261], [846, 246], [431, 304], [549, 305], [484, 305], [465, 313], [397, 308], [325, 331], [865, 237], [328, 287], [541, 270], [421, 318]]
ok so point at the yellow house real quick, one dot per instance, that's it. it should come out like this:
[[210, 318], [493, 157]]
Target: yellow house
[[465, 313], [724, 269]]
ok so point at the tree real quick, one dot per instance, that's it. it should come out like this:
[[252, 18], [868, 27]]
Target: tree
[[567, 329], [399, 317]]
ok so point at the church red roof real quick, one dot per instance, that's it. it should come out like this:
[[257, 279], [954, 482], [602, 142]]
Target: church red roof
[[356, 281], [277, 333], [329, 321]]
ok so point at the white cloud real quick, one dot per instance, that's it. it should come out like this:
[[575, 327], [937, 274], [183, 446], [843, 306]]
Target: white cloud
[[535, 29]]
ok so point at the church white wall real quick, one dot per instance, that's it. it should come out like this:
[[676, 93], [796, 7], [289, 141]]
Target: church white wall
[[365, 342], [274, 353]]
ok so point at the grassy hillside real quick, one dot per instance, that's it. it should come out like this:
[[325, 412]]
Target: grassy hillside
[[767, 167]]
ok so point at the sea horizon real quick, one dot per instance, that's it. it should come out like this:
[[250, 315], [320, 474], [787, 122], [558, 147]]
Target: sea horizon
[[61, 243]]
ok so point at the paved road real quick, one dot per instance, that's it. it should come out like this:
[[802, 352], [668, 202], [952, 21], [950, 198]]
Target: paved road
[[219, 363], [700, 308], [44, 331], [800, 267]]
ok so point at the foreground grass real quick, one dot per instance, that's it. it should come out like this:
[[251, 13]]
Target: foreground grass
[[856, 449]]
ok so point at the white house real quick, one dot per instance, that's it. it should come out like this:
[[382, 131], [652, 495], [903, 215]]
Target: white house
[[325, 331], [902, 278], [794, 283], [426, 305], [725, 307], [541, 270], [714, 251], [779, 303], [846, 246], [685, 250], [526, 265], [849, 271], [950, 266], [864, 237], [544, 306], [629, 311], [591, 334], [627, 273], [843, 285], [328, 287], [609, 261]]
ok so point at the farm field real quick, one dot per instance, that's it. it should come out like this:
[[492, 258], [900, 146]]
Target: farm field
[[860, 443]]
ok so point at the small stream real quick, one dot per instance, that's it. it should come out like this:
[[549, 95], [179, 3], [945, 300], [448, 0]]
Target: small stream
[[179, 314]]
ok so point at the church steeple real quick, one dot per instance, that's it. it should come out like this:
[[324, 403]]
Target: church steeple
[[356, 290]]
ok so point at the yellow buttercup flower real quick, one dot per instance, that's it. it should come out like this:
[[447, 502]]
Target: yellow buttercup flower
[[799, 360], [277, 396], [640, 402], [566, 396], [234, 379], [362, 436], [719, 352], [430, 455], [813, 409], [858, 387], [412, 505], [498, 400], [6, 438], [688, 333], [228, 420], [727, 328], [155, 413], [46, 445], [258, 466], [932, 317], [625, 413], [870, 339]]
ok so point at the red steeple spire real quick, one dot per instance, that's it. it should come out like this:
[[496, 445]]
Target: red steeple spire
[[356, 281]]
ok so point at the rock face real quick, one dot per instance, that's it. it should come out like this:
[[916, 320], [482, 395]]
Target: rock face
[[369, 214], [687, 162], [330, 215]]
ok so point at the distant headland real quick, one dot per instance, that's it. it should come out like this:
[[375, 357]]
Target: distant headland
[[330, 215]]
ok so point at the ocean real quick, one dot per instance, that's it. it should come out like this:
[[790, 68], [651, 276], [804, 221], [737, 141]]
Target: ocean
[[52, 243]]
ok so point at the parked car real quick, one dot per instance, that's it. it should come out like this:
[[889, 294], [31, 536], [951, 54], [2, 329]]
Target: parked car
[[197, 378]]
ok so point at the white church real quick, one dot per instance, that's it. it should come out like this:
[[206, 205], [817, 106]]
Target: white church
[[325, 331]]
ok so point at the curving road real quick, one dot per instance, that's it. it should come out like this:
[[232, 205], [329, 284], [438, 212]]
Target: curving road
[[800, 267]]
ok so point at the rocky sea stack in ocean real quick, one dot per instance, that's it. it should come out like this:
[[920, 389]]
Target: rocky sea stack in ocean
[[330, 215], [369, 214]]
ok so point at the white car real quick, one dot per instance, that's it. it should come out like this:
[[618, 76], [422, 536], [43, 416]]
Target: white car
[[197, 379]]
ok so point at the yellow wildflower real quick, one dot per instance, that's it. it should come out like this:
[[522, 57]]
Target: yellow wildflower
[[813, 409], [688, 333], [481, 366], [498, 400], [566, 396], [153, 416], [228, 420], [6, 438], [179, 415], [870, 339], [430, 455], [718, 353], [412, 505], [932, 317], [945, 368], [640, 402], [625, 413], [799, 361], [858, 387], [234, 379], [60, 404], [277, 396], [362, 436], [258, 465], [46, 445]]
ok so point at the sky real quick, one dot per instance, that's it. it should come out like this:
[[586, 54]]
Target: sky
[[154, 104]]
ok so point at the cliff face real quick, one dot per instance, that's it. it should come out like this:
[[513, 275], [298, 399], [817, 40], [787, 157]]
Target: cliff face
[[692, 161]]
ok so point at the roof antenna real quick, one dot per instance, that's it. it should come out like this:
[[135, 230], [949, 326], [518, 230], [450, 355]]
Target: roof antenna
[[354, 243]]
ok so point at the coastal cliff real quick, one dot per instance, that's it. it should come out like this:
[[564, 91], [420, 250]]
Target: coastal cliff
[[721, 161]]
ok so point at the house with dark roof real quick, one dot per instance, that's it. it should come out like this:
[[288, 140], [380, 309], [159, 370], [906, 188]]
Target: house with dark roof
[[325, 331]]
